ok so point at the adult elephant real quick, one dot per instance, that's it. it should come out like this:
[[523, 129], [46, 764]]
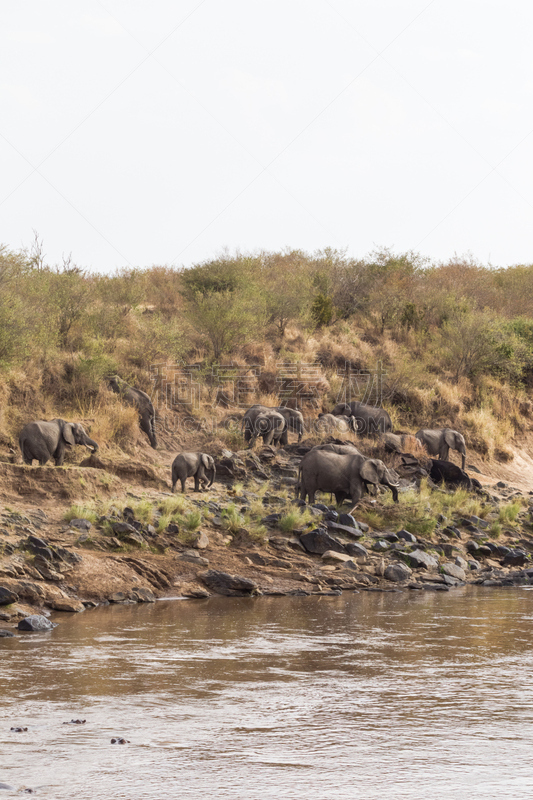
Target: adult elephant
[[340, 449], [343, 475], [439, 441], [199, 465], [141, 401], [370, 420], [293, 418], [270, 425], [42, 440]]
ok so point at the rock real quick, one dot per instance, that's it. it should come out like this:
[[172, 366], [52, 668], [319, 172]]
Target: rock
[[405, 536], [516, 558], [202, 541], [319, 541], [348, 520], [142, 595], [450, 530], [118, 597], [454, 571], [80, 524], [461, 562], [380, 546], [7, 596], [334, 557], [356, 549], [500, 485], [471, 546], [478, 522], [121, 528], [271, 520], [67, 604], [397, 572], [483, 550], [36, 622], [229, 585], [5, 634], [331, 516], [194, 558], [354, 533], [473, 564], [418, 559], [68, 556], [321, 507]]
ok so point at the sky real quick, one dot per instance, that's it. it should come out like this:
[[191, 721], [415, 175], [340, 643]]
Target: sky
[[135, 134]]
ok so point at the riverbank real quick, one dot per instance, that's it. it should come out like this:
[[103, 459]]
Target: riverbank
[[127, 539]]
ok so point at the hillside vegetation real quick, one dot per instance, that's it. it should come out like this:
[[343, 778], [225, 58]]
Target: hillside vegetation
[[437, 344]]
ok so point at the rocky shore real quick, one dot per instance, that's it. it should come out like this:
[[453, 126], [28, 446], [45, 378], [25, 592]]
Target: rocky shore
[[48, 565]]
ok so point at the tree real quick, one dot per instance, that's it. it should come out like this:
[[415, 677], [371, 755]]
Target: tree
[[225, 318]]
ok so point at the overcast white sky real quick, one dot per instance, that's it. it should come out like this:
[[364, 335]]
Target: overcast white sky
[[135, 133]]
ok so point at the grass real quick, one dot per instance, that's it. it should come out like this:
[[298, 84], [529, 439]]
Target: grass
[[232, 519], [294, 519], [508, 512], [81, 512]]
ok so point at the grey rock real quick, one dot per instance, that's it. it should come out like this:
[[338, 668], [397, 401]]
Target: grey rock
[[516, 558], [36, 622], [7, 596], [202, 541], [5, 634], [406, 536], [228, 585], [354, 533], [120, 528], [418, 559], [319, 541], [347, 519], [80, 524], [473, 564], [461, 562], [193, 557], [380, 546], [454, 571], [397, 572], [355, 549]]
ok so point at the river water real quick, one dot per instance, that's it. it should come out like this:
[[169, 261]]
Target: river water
[[370, 695]]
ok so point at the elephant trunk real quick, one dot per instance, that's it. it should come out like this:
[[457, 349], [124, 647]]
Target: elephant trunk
[[213, 474], [463, 462], [91, 444]]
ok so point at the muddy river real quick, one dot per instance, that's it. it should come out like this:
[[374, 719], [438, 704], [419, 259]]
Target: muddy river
[[367, 695]]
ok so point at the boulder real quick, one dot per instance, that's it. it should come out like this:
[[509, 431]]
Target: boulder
[[380, 546], [356, 550], [454, 571], [202, 541], [397, 572], [319, 541], [36, 622], [67, 604], [80, 524], [193, 557], [228, 585], [352, 532], [7, 596], [516, 558], [405, 536], [418, 559], [5, 634]]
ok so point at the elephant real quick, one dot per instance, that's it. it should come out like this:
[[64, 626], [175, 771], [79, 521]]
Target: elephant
[[451, 475], [44, 440], [331, 423], [201, 465], [293, 418], [343, 475], [439, 441], [295, 423], [370, 419], [139, 399], [340, 449], [270, 425]]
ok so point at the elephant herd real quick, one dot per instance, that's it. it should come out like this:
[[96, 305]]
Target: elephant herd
[[339, 469]]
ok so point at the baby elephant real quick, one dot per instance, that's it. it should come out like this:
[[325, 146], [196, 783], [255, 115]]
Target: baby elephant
[[45, 440], [185, 465]]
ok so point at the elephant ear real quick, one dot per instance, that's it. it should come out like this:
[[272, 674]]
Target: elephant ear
[[67, 433], [205, 460], [370, 471], [450, 437]]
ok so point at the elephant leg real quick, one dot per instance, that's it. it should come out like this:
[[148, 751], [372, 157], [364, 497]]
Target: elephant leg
[[284, 438], [182, 481], [444, 452], [267, 437], [357, 490], [59, 455]]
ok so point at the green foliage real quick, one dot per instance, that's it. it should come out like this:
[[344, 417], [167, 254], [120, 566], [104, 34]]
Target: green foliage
[[232, 519], [322, 310]]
